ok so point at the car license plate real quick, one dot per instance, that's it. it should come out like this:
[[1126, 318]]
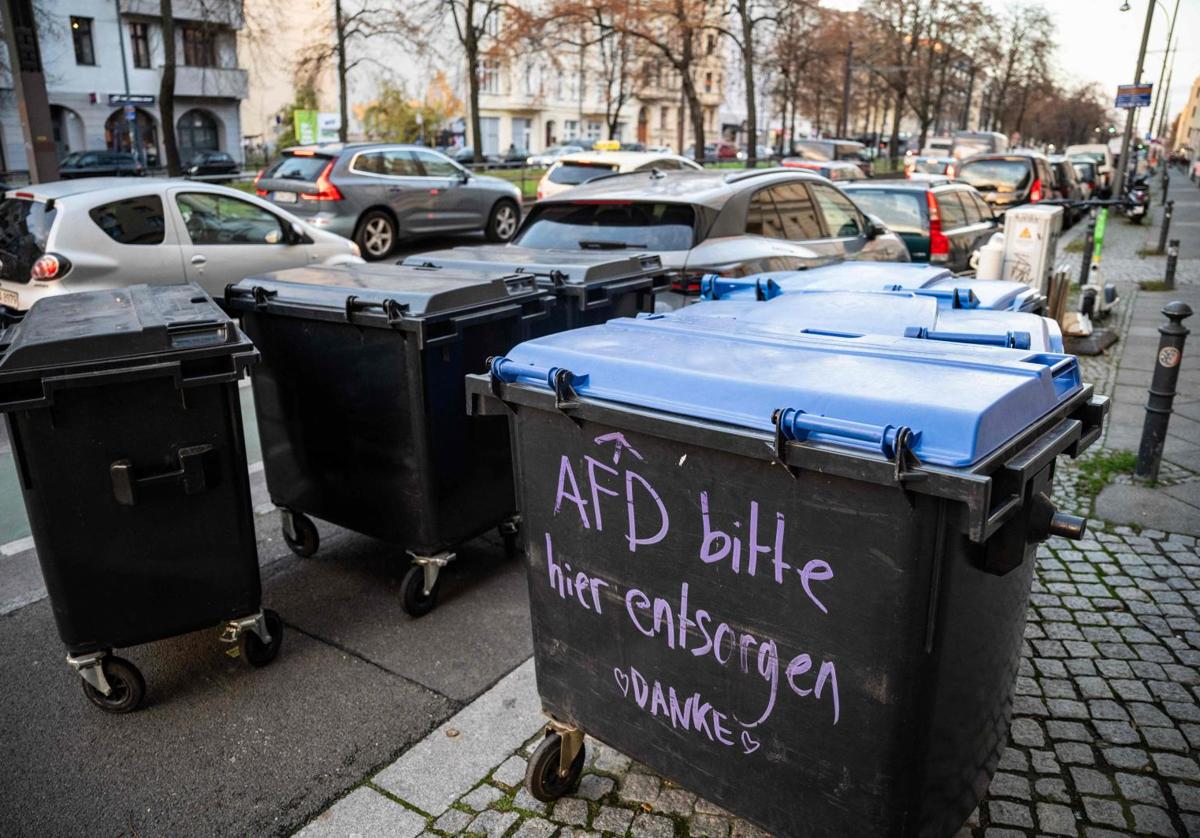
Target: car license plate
[[285, 197], [10, 299]]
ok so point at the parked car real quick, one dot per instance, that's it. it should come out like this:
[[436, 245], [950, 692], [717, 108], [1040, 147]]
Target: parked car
[[1089, 177], [942, 223], [929, 165], [466, 156], [937, 147], [660, 149], [378, 194], [1102, 156], [836, 170], [547, 156], [969, 143], [702, 222], [571, 170], [213, 165], [1010, 178], [1067, 187], [764, 153], [851, 150], [632, 147], [67, 236], [717, 152], [79, 164]]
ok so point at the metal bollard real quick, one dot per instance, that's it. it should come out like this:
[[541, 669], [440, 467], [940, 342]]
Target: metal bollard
[[1162, 389], [1089, 244], [1172, 261], [1166, 185], [1166, 226]]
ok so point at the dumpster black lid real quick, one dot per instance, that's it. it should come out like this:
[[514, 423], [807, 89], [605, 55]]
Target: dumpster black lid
[[419, 291], [98, 326], [574, 267]]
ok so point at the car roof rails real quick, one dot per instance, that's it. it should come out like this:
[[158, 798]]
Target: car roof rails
[[773, 170]]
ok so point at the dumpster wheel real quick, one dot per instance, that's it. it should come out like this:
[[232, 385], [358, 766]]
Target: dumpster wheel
[[544, 778], [253, 650], [126, 686], [413, 599], [301, 536]]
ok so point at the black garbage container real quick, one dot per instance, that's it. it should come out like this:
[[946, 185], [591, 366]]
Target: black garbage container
[[788, 573], [360, 404], [124, 418], [590, 286]]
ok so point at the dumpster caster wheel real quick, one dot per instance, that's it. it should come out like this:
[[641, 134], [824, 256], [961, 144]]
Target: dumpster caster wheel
[[543, 776], [306, 539], [254, 651], [126, 686], [414, 600], [512, 545]]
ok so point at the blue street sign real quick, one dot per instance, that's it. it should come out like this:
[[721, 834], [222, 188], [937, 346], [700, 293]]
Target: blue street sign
[[1134, 95]]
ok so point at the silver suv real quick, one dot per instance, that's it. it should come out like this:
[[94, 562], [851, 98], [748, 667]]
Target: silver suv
[[379, 194]]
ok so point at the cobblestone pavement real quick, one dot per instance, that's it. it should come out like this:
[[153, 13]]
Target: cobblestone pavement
[[1106, 715]]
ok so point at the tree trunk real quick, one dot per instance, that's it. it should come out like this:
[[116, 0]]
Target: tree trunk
[[471, 46], [343, 106], [166, 91], [894, 142], [748, 77]]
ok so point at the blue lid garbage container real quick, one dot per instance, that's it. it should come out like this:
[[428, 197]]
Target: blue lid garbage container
[[124, 418], [876, 276], [359, 399], [920, 314], [590, 286], [790, 573]]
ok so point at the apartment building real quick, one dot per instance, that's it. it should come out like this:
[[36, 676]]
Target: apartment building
[[1187, 126], [103, 66]]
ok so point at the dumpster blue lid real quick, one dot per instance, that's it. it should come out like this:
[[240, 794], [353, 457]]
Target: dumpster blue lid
[[420, 291], [575, 267], [97, 326], [883, 313], [961, 401]]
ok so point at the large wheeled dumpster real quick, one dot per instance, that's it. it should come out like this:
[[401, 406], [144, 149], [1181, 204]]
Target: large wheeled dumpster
[[788, 573], [359, 398], [590, 286], [124, 418]]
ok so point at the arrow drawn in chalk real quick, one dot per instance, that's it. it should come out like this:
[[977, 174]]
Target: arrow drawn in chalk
[[620, 443]]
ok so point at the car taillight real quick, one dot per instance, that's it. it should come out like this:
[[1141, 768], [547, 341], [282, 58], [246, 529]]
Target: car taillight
[[49, 266], [539, 195], [326, 191], [257, 178], [1035, 191], [939, 245], [688, 284]]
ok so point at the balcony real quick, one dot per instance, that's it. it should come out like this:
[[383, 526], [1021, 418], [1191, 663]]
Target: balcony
[[211, 82]]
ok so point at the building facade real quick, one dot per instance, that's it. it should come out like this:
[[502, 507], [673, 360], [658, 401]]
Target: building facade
[[103, 67], [1187, 125]]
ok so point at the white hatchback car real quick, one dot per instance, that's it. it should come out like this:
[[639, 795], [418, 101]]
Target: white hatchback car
[[574, 169], [93, 233]]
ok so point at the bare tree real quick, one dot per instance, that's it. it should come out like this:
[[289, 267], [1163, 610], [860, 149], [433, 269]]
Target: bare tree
[[741, 21], [897, 27], [166, 90]]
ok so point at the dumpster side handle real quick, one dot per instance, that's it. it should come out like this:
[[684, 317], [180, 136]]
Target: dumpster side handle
[[196, 473]]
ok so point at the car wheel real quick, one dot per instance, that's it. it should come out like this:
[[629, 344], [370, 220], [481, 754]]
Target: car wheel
[[376, 235], [502, 224]]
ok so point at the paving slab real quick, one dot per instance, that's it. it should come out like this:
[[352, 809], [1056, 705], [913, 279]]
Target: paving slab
[[365, 813], [1146, 507]]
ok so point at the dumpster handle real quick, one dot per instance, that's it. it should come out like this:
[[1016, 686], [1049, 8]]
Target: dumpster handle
[[393, 311], [197, 467], [796, 425], [1011, 340], [561, 381], [958, 297]]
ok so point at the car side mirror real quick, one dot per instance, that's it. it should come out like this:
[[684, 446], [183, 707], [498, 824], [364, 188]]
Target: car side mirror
[[464, 175], [296, 234], [873, 228]]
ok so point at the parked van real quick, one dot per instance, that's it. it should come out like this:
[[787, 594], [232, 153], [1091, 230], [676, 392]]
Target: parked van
[[967, 143]]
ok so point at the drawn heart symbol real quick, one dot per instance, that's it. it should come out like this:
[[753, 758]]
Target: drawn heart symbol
[[622, 680], [749, 743]]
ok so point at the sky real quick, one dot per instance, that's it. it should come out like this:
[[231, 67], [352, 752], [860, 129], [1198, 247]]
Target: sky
[[1099, 42]]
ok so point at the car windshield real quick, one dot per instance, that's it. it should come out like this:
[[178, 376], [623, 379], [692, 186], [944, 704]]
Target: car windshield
[[1010, 175], [573, 174], [930, 166], [297, 167], [24, 228], [1094, 156], [1085, 171], [899, 209], [616, 225]]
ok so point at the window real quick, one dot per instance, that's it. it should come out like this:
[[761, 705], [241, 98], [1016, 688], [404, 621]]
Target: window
[[217, 219], [24, 229], [139, 38], [708, 82], [199, 47], [783, 212], [841, 218], [985, 211], [574, 173], [951, 210], [81, 34], [394, 163], [435, 165], [901, 210], [664, 117], [637, 226], [593, 130], [132, 221], [570, 129], [292, 167], [489, 75]]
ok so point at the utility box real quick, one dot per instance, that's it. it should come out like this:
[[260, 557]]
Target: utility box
[[1031, 244]]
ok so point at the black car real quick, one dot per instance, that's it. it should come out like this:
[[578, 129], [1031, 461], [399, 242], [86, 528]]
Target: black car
[[99, 164], [941, 223], [1068, 187], [1009, 178], [213, 165]]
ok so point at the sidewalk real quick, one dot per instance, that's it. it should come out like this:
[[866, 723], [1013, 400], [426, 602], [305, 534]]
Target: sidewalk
[[1106, 718]]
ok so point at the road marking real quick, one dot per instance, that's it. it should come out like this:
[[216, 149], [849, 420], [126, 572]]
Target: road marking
[[18, 546]]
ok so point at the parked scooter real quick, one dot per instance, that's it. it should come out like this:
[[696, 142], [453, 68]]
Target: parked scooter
[[1136, 198]]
